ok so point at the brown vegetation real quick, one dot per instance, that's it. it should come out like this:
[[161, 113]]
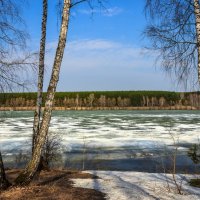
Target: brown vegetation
[[54, 184], [133, 100], [103, 108]]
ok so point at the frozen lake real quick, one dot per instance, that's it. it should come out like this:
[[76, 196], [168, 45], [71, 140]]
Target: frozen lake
[[106, 135]]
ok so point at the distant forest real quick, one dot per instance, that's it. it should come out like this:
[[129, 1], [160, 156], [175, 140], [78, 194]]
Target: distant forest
[[106, 99]]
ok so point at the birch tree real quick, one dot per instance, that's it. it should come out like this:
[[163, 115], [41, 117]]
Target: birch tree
[[27, 175], [37, 115], [12, 40], [13, 37], [174, 33], [29, 172], [197, 16]]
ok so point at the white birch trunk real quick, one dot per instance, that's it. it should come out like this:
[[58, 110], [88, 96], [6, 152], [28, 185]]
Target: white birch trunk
[[197, 16], [37, 115], [27, 175]]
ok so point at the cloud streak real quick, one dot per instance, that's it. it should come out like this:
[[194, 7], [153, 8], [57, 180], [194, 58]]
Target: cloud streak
[[107, 12], [99, 53], [106, 65]]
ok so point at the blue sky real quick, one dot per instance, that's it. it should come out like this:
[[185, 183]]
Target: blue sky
[[104, 50]]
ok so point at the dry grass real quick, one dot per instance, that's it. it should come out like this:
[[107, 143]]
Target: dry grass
[[52, 185]]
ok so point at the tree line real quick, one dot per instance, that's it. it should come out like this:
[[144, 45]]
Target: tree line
[[105, 99]]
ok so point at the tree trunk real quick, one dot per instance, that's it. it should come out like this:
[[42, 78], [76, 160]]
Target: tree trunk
[[28, 174], [4, 184], [197, 16], [37, 115]]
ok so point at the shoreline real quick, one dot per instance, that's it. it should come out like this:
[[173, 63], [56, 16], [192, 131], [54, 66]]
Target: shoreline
[[147, 164], [178, 107]]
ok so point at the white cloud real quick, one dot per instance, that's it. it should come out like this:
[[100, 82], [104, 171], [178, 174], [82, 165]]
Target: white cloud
[[106, 65], [108, 12], [97, 44], [112, 11], [99, 53]]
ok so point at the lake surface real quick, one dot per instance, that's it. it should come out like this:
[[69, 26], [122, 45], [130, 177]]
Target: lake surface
[[115, 138]]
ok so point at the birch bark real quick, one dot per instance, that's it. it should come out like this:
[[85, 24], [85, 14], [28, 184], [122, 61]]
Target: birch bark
[[28, 174], [197, 16], [37, 115]]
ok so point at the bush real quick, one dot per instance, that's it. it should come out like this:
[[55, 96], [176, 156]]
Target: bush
[[194, 153], [52, 150]]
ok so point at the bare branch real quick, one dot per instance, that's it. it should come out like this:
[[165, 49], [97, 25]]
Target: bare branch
[[172, 34], [13, 39]]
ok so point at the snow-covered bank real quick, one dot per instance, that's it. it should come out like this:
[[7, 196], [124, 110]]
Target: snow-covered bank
[[139, 185]]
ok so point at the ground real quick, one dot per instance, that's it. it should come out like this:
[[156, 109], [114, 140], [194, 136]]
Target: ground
[[52, 185], [141, 186], [101, 185]]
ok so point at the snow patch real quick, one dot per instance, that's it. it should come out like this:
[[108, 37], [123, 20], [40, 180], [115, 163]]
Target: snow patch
[[139, 185]]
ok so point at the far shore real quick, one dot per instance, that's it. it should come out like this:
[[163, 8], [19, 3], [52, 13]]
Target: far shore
[[178, 107]]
